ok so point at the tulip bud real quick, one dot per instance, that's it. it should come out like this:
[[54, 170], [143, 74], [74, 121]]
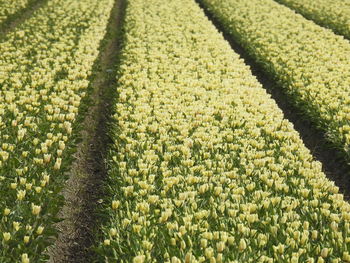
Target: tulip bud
[[6, 236], [7, 211], [25, 258], [324, 252], [139, 259], [26, 239], [21, 194], [242, 245], [16, 225], [115, 204], [113, 232], [36, 209], [40, 230]]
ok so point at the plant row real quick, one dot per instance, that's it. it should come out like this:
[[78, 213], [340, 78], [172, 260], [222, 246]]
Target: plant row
[[204, 168], [332, 14], [9, 9], [45, 67], [310, 62]]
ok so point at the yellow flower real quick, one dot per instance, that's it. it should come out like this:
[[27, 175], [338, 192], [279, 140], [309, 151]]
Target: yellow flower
[[7, 211], [40, 230], [25, 258], [113, 232], [16, 225], [57, 165], [220, 246], [324, 252], [242, 245], [7, 236], [115, 204], [26, 239], [36, 209], [21, 194], [139, 259]]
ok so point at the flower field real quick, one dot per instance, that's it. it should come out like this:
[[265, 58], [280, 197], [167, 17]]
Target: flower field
[[9, 9], [43, 78], [202, 165], [331, 14], [204, 168], [311, 62]]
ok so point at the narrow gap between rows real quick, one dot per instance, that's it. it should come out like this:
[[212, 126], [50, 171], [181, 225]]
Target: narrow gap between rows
[[83, 191]]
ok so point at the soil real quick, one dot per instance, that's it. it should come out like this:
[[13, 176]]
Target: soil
[[83, 190], [333, 160]]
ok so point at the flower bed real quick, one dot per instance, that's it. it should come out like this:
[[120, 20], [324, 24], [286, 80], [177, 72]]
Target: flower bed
[[45, 67], [331, 14], [203, 167], [309, 61]]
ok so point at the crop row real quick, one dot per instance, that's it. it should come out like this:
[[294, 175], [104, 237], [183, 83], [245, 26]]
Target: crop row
[[309, 61], [332, 14], [9, 9], [204, 168], [45, 66]]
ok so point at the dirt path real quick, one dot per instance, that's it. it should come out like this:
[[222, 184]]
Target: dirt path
[[18, 18], [334, 164], [83, 190]]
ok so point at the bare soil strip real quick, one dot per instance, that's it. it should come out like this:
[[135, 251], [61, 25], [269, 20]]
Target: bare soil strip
[[18, 18], [84, 188], [334, 164]]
